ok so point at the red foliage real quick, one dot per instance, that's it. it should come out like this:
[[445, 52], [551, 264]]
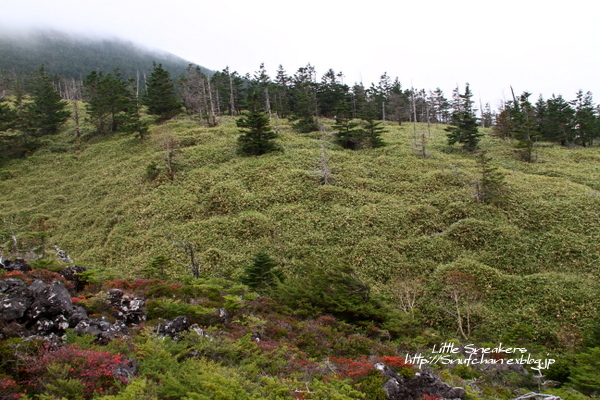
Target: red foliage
[[8, 389], [395, 362], [431, 397], [97, 370], [15, 274], [353, 369], [41, 274]]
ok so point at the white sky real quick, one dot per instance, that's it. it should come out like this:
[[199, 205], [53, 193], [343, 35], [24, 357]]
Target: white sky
[[540, 46]]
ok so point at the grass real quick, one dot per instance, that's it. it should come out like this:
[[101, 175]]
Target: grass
[[388, 213]]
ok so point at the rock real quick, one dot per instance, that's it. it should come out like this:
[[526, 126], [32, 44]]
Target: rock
[[72, 274], [131, 310], [425, 382], [174, 328], [49, 300], [125, 371], [101, 329], [18, 264], [62, 256], [222, 316], [15, 299]]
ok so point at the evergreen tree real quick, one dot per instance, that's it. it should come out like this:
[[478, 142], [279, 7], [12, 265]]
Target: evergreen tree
[[372, 131], [331, 93], [304, 100], [490, 185], [585, 118], [8, 116], [347, 133], [160, 97], [257, 136], [556, 120], [47, 112], [465, 129], [524, 129], [281, 93], [108, 98], [261, 275]]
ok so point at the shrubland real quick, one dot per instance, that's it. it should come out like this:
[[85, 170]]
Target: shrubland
[[395, 254]]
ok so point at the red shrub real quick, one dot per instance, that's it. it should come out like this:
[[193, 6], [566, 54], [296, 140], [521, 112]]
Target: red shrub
[[354, 369], [8, 389], [395, 362], [99, 371]]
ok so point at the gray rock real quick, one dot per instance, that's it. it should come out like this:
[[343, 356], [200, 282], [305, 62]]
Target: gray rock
[[15, 299], [131, 310], [174, 328], [49, 300]]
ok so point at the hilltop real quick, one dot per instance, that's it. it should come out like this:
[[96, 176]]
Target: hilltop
[[71, 56]]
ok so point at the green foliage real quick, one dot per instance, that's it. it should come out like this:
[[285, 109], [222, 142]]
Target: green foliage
[[261, 275], [160, 97], [256, 134], [171, 309], [464, 131], [490, 185], [585, 375], [157, 268], [47, 111]]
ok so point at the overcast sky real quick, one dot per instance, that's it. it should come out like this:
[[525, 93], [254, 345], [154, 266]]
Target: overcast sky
[[540, 46]]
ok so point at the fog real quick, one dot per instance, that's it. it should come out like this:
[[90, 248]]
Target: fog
[[533, 45]]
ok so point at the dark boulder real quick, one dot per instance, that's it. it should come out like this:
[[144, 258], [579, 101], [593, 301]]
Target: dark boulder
[[15, 299], [174, 328], [424, 382], [18, 264], [73, 274], [102, 329], [49, 300]]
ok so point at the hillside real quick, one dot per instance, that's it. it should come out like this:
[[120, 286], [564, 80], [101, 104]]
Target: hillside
[[74, 57], [523, 269]]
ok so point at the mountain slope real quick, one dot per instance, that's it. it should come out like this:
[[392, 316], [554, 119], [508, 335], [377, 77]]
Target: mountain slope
[[531, 258], [74, 57]]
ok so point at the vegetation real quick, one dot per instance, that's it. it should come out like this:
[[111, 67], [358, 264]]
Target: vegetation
[[396, 254]]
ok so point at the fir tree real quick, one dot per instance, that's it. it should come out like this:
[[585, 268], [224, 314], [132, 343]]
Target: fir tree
[[372, 131], [47, 111], [525, 127], [108, 98], [585, 118], [8, 116], [347, 133], [160, 94], [261, 275], [257, 136], [465, 129], [491, 183]]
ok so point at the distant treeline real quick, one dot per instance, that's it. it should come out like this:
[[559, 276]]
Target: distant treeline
[[301, 96]]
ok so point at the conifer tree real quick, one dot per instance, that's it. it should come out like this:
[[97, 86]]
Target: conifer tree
[[525, 127], [347, 133], [372, 131], [585, 118], [256, 134], [261, 275], [465, 129], [8, 116], [48, 111], [108, 97], [160, 96], [491, 183]]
